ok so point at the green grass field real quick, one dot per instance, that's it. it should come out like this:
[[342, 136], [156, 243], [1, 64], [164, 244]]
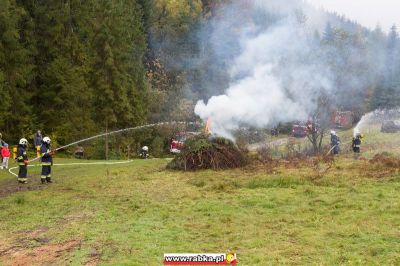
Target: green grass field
[[131, 214]]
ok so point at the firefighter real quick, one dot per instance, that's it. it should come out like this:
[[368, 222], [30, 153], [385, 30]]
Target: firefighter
[[335, 142], [46, 158], [144, 152], [22, 159], [356, 143], [37, 141]]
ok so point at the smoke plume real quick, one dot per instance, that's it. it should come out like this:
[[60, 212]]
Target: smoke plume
[[277, 67]]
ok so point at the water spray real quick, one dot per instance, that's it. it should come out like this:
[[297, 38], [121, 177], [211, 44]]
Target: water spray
[[119, 131], [365, 120], [103, 135]]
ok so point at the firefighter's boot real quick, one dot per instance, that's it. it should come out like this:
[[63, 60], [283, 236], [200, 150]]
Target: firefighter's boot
[[22, 181], [48, 180]]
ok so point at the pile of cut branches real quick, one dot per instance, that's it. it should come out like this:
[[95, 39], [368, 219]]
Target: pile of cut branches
[[204, 152]]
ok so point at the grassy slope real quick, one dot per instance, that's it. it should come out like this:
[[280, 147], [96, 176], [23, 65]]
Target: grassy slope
[[373, 142], [132, 214]]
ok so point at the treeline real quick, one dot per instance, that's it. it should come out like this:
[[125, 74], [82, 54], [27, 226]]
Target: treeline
[[71, 67], [74, 67]]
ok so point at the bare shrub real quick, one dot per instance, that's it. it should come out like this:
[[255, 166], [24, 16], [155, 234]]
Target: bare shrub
[[264, 154], [321, 165]]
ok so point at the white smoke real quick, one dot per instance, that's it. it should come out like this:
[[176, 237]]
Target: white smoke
[[247, 102], [276, 77]]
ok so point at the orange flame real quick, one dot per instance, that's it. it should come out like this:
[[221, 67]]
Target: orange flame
[[207, 128]]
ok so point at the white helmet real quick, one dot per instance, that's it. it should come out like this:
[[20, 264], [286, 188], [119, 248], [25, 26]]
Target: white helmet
[[46, 140], [23, 141], [145, 148], [333, 132]]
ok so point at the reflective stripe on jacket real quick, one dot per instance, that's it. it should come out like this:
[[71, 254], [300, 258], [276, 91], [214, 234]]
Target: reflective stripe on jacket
[[45, 154]]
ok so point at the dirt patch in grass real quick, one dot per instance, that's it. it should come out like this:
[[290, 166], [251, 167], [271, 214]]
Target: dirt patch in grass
[[11, 186], [34, 247], [48, 254]]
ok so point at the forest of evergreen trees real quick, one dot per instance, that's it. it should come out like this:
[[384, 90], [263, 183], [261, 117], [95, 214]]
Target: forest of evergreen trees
[[77, 67]]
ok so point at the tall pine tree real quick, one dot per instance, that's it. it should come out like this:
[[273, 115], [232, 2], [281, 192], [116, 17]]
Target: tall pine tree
[[16, 72]]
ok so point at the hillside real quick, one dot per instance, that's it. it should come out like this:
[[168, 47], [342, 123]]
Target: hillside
[[283, 212], [78, 68], [295, 109]]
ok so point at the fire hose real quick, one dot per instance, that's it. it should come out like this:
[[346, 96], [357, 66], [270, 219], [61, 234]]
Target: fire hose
[[116, 132], [336, 146], [70, 164], [98, 136]]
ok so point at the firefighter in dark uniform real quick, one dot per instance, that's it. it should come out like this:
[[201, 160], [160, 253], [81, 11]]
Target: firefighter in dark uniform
[[46, 158], [335, 142], [22, 160], [356, 143], [144, 152]]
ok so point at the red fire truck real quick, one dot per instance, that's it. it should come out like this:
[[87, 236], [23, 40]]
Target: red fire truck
[[343, 119], [178, 141]]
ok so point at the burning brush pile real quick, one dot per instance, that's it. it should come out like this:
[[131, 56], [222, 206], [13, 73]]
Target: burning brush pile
[[204, 152]]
